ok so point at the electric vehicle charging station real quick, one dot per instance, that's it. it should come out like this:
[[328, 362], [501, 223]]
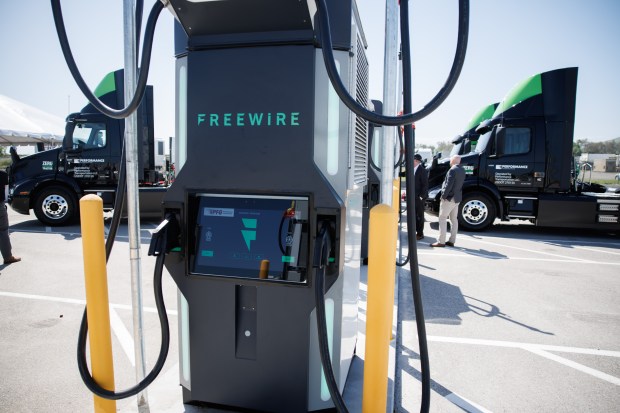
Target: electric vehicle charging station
[[302, 160], [269, 159]]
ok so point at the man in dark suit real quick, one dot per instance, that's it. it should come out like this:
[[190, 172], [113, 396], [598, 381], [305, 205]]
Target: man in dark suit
[[5, 241], [421, 192], [451, 196]]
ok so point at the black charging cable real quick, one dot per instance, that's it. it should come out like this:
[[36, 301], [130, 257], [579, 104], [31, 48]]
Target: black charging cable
[[407, 119], [144, 66], [354, 106], [321, 261], [414, 270], [159, 247]]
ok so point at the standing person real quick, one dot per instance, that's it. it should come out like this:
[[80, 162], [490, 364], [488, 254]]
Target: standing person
[[451, 196], [5, 241], [421, 192]]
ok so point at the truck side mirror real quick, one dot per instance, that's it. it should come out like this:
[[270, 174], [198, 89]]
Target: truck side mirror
[[499, 141], [67, 141], [484, 127]]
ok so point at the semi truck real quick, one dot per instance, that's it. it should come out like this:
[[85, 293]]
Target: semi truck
[[52, 182], [522, 167], [461, 144]]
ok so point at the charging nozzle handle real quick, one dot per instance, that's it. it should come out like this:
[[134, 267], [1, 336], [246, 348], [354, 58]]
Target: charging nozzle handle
[[323, 247], [165, 237]]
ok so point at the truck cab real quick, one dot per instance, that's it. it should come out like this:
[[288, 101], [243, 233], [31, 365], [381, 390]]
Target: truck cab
[[463, 143], [522, 166], [52, 182]]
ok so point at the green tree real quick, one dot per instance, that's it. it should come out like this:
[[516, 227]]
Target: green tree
[[444, 147], [576, 149]]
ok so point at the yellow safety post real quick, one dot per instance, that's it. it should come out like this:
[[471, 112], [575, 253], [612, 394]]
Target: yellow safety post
[[98, 313], [379, 306]]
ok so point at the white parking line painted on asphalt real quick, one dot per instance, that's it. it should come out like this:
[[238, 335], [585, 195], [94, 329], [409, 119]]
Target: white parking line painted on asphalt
[[465, 404], [526, 346], [529, 250], [122, 334], [543, 351], [457, 253], [569, 363], [596, 250], [74, 301]]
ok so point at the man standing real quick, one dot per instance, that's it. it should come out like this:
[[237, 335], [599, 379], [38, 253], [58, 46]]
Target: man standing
[[451, 196], [421, 192], [5, 241]]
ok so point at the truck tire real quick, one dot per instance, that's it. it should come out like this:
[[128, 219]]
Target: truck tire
[[55, 206], [476, 212]]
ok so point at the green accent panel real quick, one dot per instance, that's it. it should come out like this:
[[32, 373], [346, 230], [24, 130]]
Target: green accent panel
[[177, 249], [248, 236], [206, 253], [249, 222], [480, 116], [106, 86], [531, 86], [331, 259], [288, 259]]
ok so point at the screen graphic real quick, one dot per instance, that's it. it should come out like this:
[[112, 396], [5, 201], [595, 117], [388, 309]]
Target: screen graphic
[[251, 236]]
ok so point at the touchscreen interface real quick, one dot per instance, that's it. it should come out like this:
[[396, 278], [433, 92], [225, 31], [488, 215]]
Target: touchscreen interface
[[251, 236]]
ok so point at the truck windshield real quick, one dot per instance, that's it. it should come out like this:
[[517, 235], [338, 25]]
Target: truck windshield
[[456, 149], [87, 135], [483, 142]]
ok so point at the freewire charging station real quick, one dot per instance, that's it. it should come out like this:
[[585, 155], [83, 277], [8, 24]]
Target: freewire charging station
[[268, 159], [262, 227]]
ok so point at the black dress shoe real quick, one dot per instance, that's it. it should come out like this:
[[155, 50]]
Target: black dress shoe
[[450, 244], [419, 237], [11, 260]]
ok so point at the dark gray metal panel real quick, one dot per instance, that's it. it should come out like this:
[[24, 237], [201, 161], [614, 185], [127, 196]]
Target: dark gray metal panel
[[237, 154]]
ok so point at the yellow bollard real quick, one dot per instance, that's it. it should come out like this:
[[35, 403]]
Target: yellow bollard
[[98, 313], [379, 306]]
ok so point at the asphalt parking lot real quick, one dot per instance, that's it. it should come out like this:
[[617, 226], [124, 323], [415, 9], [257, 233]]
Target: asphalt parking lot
[[518, 319]]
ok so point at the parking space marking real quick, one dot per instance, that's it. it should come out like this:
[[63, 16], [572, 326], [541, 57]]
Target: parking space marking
[[465, 404], [79, 302], [529, 250], [122, 335], [596, 250], [577, 366], [543, 351]]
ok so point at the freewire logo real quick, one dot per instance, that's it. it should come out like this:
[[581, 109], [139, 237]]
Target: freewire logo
[[242, 119], [249, 234]]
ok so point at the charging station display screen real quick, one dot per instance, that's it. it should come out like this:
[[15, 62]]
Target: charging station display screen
[[251, 236]]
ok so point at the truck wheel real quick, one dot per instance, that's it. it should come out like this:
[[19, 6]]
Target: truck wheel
[[55, 206], [476, 212]]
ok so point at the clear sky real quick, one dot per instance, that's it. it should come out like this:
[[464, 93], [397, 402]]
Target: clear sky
[[509, 40]]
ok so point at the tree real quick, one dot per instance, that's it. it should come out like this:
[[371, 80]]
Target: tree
[[444, 147], [576, 149]]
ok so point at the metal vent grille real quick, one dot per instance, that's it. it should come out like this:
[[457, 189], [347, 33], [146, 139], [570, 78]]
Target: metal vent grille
[[361, 125]]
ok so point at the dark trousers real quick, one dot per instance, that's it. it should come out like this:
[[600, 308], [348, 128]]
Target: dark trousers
[[419, 215], [5, 242]]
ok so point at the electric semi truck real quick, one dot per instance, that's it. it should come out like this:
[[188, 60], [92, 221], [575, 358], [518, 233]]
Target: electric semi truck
[[461, 144], [52, 182], [523, 168]]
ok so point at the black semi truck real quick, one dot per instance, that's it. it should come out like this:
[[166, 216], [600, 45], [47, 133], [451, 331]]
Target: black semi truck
[[461, 144], [52, 182], [523, 168]]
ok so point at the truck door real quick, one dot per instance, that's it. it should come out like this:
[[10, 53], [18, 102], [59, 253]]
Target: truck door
[[92, 161], [513, 164]]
